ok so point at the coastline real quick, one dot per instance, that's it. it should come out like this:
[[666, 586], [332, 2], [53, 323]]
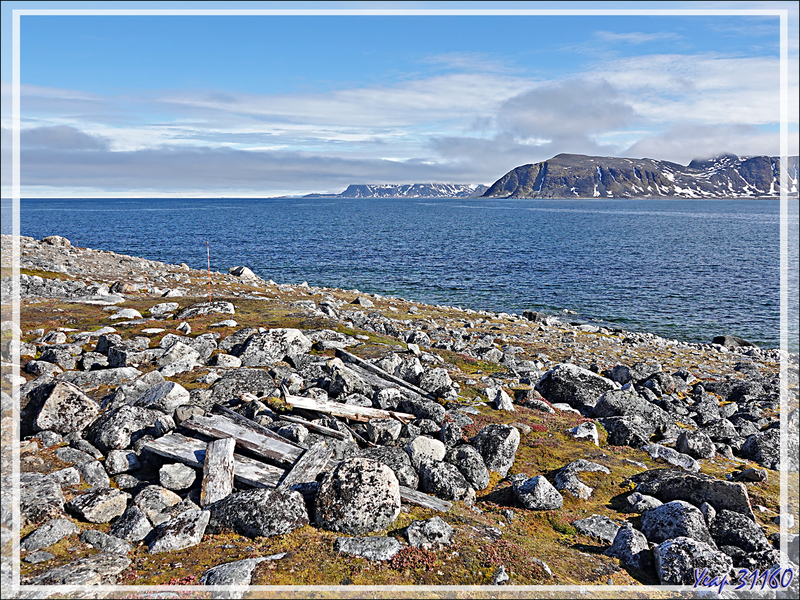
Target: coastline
[[480, 350]]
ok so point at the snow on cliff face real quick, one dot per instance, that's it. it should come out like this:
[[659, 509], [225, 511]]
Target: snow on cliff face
[[416, 190], [572, 175]]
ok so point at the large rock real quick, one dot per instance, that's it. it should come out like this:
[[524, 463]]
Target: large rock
[[263, 349], [238, 572], [118, 428], [260, 512], [675, 519], [182, 531], [154, 500], [87, 380], [696, 444], [580, 388], [423, 448], [677, 560], [621, 403], [132, 526], [105, 543], [372, 548], [48, 534], [40, 499], [166, 397], [677, 484], [358, 496], [672, 456], [629, 430], [129, 393], [429, 534], [469, 462], [97, 569], [99, 506], [444, 480], [178, 358], [764, 448], [631, 548], [66, 409], [566, 479], [437, 382], [597, 526], [734, 529], [205, 308], [537, 493], [498, 446], [397, 460], [235, 383]]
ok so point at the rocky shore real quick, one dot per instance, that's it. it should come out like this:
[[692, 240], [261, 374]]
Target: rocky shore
[[276, 434]]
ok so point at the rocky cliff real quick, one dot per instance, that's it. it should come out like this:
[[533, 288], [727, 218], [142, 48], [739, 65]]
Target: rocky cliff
[[415, 190], [579, 176]]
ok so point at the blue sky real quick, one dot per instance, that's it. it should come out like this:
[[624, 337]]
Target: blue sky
[[279, 104]]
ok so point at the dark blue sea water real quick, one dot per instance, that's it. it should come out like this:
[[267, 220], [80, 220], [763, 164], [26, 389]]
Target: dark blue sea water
[[679, 268]]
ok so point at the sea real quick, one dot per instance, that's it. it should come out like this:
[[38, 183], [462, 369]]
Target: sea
[[682, 269]]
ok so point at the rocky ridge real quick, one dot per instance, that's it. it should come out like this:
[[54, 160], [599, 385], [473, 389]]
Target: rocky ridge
[[579, 176], [408, 190], [464, 430]]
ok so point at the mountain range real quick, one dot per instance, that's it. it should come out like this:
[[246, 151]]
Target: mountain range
[[580, 176]]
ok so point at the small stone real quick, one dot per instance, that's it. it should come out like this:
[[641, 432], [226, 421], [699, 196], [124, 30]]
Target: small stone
[[372, 548], [182, 531], [587, 431], [429, 534], [38, 557], [177, 476], [132, 526], [537, 493], [105, 543]]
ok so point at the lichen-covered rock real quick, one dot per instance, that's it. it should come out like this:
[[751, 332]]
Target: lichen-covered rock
[[597, 526], [580, 388], [372, 548], [672, 456], [48, 534], [630, 546], [260, 512], [99, 506], [205, 308], [105, 543], [358, 496], [436, 381], [397, 460], [383, 431], [118, 428], [537, 493], [97, 569], [238, 572], [469, 462], [444, 480], [430, 533], [66, 409], [94, 474], [132, 526], [264, 349], [122, 461], [166, 397], [566, 478], [182, 531], [40, 498], [498, 446], [764, 448], [155, 499], [676, 560], [585, 431], [177, 476], [641, 502], [696, 444], [730, 528], [423, 448], [675, 519]]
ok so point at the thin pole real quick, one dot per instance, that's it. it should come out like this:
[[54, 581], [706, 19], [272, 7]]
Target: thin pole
[[208, 256]]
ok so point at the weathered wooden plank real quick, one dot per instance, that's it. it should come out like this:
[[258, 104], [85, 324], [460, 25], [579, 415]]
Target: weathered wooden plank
[[217, 426], [193, 453], [424, 500], [218, 466], [308, 466], [313, 427], [349, 411], [245, 422], [364, 364]]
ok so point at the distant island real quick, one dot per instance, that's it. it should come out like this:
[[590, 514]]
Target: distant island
[[580, 176]]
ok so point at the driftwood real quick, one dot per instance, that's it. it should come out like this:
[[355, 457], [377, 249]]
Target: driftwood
[[410, 496], [193, 453], [368, 366], [245, 422], [218, 468], [277, 450], [348, 411], [308, 466]]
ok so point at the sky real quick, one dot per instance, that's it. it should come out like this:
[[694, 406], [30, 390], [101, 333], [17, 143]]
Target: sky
[[269, 105]]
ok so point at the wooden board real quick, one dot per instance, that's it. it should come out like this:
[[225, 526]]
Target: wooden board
[[308, 466], [398, 381], [348, 411], [245, 422], [193, 453], [218, 466], [410, 496], [279, 451]]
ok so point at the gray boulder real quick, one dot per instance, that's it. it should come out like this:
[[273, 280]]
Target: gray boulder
[[580, 388], [597, 526], [177, 476], [437, 381], [469, 462], [444, 480], [730, 528], [631, 548], [498, 446], [430, 533], [675, 519], [371, 548], [205, 308], [40, 499], [641, 502], [423, 448], [383, 431], [264, 349], [672, 456], [397, 460], [537, 493], [260, 512], [100, 505], [105, 543], [132, 526], [117, 428], [764, 448], [183, 531], [566, 479], [48, 534], [696, 444], [238, 572], [94, 474], [66, 409], [121, 461], [360, 495], [235, 383], [677, 559], [154, 499], [629, 430], [97, 569]]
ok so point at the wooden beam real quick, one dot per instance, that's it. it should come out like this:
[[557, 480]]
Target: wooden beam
[[218, 467], [217, 426], [348, 411], [245, 422], [193, 453], [410, 496], [398, 381], [308, 466]]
